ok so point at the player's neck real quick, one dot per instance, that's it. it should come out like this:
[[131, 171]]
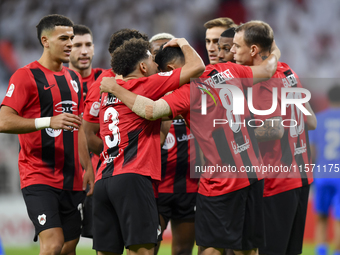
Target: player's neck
[[134, 75], [53, 65], [260, 57], [83, 72]]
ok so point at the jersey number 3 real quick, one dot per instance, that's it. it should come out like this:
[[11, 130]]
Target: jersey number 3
[[113, 139]]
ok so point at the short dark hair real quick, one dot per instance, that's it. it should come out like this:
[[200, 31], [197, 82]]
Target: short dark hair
[[168, 55], [229, 33], [118, 38], [50, 21], [257, 32], [220, 22], [81, 30], [126, 57], [334, 94]]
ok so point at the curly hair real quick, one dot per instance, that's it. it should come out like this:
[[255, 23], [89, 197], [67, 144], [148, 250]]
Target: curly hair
[[122, 35], [126, 57], [168, 55]]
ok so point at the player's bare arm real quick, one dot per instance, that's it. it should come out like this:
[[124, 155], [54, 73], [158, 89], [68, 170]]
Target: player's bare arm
[[94, 143], [165, 127], [271, 130], [12, 123], [193, 65], [311, 119], [85, 161], [142, 106], [267, 68]]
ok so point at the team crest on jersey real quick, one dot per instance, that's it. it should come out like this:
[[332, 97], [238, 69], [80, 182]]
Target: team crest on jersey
[[94, 111], [10, 90], [53, 132], [165, 73], [75, 86], [42, 219], [169, 142]]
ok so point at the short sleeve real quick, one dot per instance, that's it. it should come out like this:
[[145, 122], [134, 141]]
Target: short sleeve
[[179, 100], [19, 91], [92, 105], [159, 84]]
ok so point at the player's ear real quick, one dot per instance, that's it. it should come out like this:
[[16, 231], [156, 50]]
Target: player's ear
[[44, 41], [170, 67], [143, 68], [254, 50]]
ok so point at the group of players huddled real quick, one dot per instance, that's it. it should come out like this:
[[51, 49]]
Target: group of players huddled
[[142, 121]]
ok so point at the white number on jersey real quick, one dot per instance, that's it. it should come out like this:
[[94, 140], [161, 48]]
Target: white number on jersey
[[227, 102], [296, 128], [112, 114]]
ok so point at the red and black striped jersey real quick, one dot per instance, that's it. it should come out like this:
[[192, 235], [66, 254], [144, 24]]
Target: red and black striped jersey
[[94, 96], [131, 143], [292, 150], [229, 146], [47, 156], [91, 104], [177, 158], [89, 80]]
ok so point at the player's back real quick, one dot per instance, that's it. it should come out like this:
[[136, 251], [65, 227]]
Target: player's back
[[290, 154], [132, 143]]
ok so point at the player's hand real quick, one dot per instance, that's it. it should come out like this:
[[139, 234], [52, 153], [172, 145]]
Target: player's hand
[[88, 179], [66, 121], [176, 42], [107, 85]]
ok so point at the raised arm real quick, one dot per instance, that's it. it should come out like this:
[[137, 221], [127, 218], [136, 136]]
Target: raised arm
[[193, 65], [142, 106], [267, 68]]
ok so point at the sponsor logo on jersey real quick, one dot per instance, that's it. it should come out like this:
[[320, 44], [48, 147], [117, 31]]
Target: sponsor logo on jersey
[[300, 150], [10, 90], [42, 219], [165, 73], [178, 122], [53, 132], [169, 142], [242, 147], [75, 86], [185, 138], [94, 111], [66, 106]]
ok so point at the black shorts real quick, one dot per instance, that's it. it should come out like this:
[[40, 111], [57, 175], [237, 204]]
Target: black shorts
[[49, 207], [177, 206], [285, 217], [86, 230], [125, 213], [231, 221]]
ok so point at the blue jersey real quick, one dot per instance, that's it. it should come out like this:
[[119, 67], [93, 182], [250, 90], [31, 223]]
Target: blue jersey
[[326, 139]]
